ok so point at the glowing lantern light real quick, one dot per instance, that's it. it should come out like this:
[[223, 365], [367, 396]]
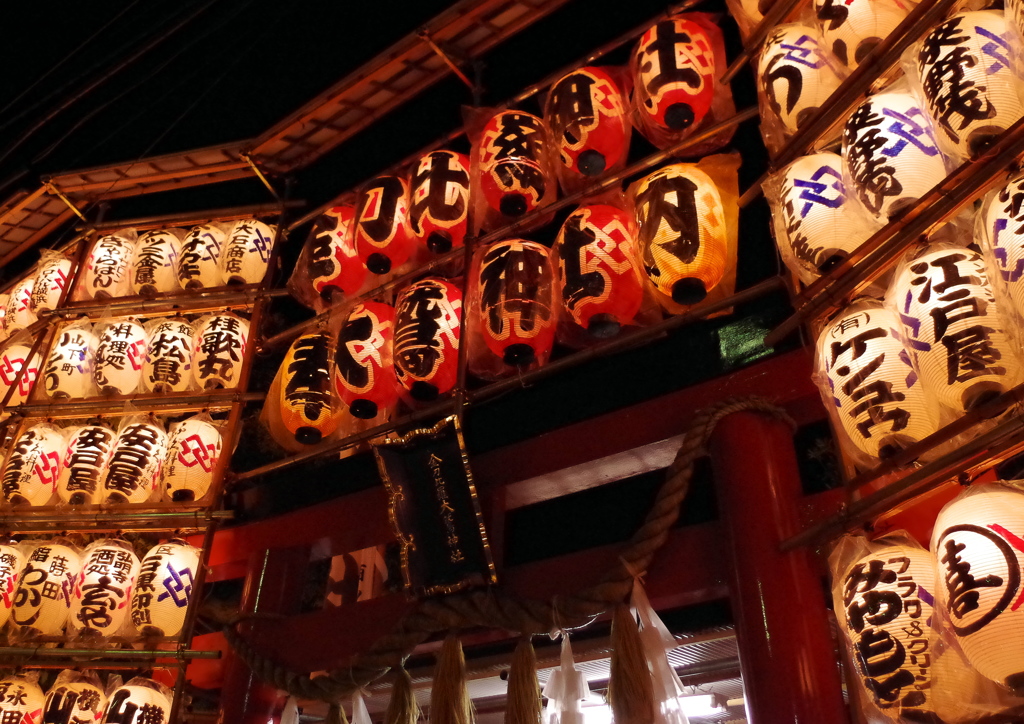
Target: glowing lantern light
[[33, 467], [199, 261], [43, 597], [120, 355], [51, 278], [796, 74], [1014, 11], [246, 253], [968, 80], [21, 701], [383, 237], [675, 75], [334, 265], [85, 462], [853, 28], [952, 328], [108, 269], [599, 273], [155, 263], [307, 405], [817, 224], [19, 306], [69, 369], [682, 236], [140, 701], [135, 462], [439, 209], [11, 361], [867, 380], [192, 455], [514, 178], [74, 702], [890, 150], [365, 378], [219, 350], [12, 563], [427, 328], [168, 366], [586, 112], [516, 290], [164, 589], [99, 607], [887, 606], [1003, 238], [977, 542], [5, 299]]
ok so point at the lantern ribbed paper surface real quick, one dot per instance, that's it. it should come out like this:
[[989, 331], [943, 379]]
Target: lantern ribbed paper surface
[[164, 589], [383, 237], [193, 450], [99, 607], [965, 68], [19, 305], [155, 263], [135, 463], [51, 278], [21, 701], [12, 360], [120, 355], [219, 350], [952, 328], [12, 563], [168, 366], [586, 112], [33, 467], [869, 382], [4, 301], [85, 462], [439, 206], [365, 378], [69, 369], [108, 270], [889, 148], [977, 541], [428, 319], [42, 599], [246, 252], [682, 234], [852, 28], [199, 261], [675, 75], [137, 704], [514, 178], [75, 702], [307, 401], [795, 74], [334, 265]]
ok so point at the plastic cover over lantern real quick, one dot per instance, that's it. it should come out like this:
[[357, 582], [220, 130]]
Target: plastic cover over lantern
[[1001, 236], [168, 366], [246, 253], [952, 328], [20, 313], [4, 301], [12, 563], [69, 370], [140, 701], [852, 28], [75, 698], [439, 205], [99, 607], [199, 261], [155, 262], [43, 597], [33, 466], [515, 177], [120, 355], [428, 318], [12, 359], [21, 700], [890, 151], [108, 270], [164, 589], [193, 450], [135, 462], [365, 378], [334, 267], [682, 232], [85, 462], [307, 399], [868, 383], [384, 239], [51, 279], [219, 350], [966, 70]]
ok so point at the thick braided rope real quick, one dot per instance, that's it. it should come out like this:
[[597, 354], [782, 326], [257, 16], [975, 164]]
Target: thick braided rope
[[493, 608]]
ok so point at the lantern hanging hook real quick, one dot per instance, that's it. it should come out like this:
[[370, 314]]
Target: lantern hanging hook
[[425, 36], [259, 174], [52, 188]]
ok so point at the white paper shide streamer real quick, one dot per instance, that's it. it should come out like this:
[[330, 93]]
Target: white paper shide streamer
[[566, 690]]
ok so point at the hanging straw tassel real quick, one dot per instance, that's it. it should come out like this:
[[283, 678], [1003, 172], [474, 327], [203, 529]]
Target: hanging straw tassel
[[523, 703], [630, 687], [449, 700], [336, 714], [402, 709]]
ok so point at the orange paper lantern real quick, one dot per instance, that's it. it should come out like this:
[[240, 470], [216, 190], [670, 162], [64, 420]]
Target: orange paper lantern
[[514, 178], [383, 236], [334, 265], [365, 376], [427, 328], [307, 409], [675, 75], [440, 200]]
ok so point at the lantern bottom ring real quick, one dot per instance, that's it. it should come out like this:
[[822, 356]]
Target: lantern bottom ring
[[591, 163], [978, 394], [423, 391], [378, 263], [363, 409], [439, 242], [513, 205], [688, 291], [679, 116], [519, 355], [981, 139], [603, 326], [306, 436]]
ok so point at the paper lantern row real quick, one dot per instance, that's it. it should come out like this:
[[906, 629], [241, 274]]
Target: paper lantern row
[[139, 463], [36, 293], [78, 697]]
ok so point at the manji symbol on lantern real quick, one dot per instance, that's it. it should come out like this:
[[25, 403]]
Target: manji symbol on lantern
[[439, 209], [514, 178], [383, 237], [675, 80], [334, 265], [307, 408], [365, 378], [427, 328], [164, 589]]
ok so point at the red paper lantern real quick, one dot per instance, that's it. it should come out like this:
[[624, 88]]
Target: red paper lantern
[[365, 376], [383, 236], [675, 74], [513, 177], [515, 285], [427, 329], [601, 286], [307, 409], [334, 265], [440, 200], [586, 112]]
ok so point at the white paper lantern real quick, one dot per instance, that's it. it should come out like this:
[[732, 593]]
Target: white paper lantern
[[120, 355], [951, 327], [74, 702], [880, 403], [192, 455], [965, 68], [246, 253], [12, 563], [21, 701], [99, 607], [42, 599], [198, 264], [817, 224], [889, 148], [977, 543], [69, 369], [1003, 239], [796, 74], [33, 467], [155, 263], [168, 366], [51, 278], [887, 597], [135, 462], [85, 462], [107, 272], [19, 306], [852, 28], [12, 360], [219, 350], [135, 704], [5, 299], [164, 589], [1014, 14]]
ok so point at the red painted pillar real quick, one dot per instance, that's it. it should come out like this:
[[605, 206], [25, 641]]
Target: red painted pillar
[[273, 584], [787, 655]]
